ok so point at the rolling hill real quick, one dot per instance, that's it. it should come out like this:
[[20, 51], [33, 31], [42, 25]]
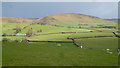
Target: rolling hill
[[66, 19], [73, 20]]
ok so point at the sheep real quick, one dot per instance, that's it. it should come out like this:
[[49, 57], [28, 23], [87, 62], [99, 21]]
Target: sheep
[[118, 51], [80, 47], [58, 45], [109, 52]]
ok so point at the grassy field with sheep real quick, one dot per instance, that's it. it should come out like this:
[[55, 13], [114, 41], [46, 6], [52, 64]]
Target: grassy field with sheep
[[48, 54]]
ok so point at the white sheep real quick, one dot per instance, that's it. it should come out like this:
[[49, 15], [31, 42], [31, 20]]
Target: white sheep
[[80, 47], [109, 52], [58, 45], [107, 49]]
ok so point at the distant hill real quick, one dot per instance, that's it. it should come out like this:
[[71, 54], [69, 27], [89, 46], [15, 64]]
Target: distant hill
[[16, 20], [71, 19]]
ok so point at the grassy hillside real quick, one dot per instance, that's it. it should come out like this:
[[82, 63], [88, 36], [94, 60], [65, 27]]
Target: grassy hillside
[[52, 29], [8, 28]]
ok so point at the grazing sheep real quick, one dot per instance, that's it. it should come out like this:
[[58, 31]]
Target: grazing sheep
[[118, 51], [58, 45], [109, 52], [80, 47]]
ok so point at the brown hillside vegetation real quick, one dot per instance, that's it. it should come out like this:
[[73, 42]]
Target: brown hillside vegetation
[[58, 19], [16, 20], [69, 17]]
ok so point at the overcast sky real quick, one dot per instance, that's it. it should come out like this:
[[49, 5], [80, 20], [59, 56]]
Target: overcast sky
[[106, 10]]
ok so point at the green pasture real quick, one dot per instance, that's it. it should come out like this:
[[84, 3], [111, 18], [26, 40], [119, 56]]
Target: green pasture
[[90, 24], [99, 43], [52, 29], [63, 37], [7, 28], [14, 37], [105, 29], [51, 37], [91, 34], [48, 54]]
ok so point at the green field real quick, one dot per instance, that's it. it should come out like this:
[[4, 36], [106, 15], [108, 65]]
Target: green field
[[52, 29], [99, 43], [53, 37], [89, 25], [91, 34], [63, 37], [14, 37], [7, 28], [48, 54]]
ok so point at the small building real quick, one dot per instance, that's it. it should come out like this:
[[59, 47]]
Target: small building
[[20, 34]]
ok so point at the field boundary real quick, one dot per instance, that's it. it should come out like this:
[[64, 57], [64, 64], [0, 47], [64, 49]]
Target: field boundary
[[69, 38], [65, 33], [90, 37], [51, 41]]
